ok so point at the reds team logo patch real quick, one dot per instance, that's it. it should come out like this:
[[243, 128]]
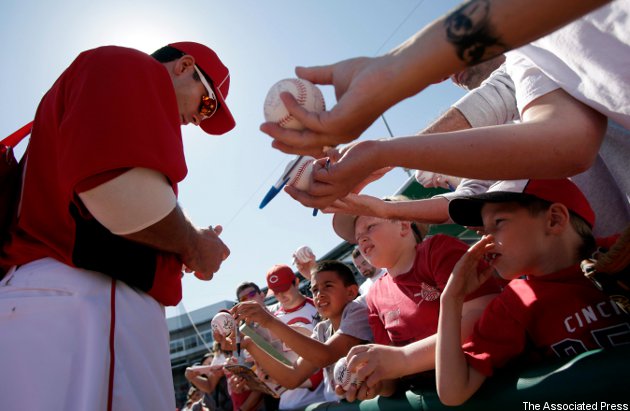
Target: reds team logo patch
[[428, 292], [273, 279]]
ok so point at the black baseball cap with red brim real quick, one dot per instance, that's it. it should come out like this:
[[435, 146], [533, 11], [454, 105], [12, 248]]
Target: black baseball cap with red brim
[[466, 211], [208, 61]]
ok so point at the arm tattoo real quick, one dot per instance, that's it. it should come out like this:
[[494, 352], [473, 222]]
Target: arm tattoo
[[468, 29]]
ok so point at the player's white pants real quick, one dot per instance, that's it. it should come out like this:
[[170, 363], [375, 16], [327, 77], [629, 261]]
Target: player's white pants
[[55, 324]]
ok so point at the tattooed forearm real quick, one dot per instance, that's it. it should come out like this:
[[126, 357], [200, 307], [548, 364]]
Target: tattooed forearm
[[468, 29]]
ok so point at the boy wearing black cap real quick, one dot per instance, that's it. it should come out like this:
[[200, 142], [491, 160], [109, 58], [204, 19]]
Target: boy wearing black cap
[[534, 228]]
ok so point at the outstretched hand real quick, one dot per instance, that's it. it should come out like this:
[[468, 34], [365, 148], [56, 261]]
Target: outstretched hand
[[349, 170], [362, 91], [357, 204], [252, 312]]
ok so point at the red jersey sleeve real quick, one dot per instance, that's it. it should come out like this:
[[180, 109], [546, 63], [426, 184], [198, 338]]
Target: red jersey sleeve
[[120, 112]]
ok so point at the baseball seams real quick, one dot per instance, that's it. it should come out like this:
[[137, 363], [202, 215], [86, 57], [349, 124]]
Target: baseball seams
[[305, 93], [302, 174], [343, 376], [223, 323], [304, 254], [300, 97]]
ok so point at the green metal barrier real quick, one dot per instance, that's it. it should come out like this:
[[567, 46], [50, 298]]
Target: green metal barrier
[[587, 380]]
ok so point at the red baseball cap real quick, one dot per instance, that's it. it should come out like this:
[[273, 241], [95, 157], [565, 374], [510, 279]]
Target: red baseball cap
[[208, 61], [467, 210], [280, 277]]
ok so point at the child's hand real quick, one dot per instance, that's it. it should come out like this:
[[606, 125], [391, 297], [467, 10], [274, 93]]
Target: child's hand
[[191, 373], [466, 277], [358, 392], [373, 363], [375, 367], [237, 384], [252, 312]]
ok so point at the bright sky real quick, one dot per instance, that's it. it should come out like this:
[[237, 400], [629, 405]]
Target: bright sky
[[261, 42]]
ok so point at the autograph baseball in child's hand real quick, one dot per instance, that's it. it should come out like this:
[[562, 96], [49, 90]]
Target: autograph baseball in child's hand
[[342, 375]]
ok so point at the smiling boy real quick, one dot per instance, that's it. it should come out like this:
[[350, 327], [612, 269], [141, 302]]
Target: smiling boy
[[540, 229], [334, 291]]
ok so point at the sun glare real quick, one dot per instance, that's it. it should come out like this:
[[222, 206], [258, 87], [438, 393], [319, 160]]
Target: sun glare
[[140, 35]]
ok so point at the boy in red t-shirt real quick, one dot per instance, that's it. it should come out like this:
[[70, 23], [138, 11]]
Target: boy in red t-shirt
[[403, 304], [540, 229]]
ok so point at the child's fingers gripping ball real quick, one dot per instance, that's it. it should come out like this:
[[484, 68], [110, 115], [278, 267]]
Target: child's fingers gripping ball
[[343, 376], [307, 94], [223, 323]]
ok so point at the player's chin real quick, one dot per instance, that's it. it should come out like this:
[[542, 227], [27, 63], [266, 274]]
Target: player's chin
[[204, 276]]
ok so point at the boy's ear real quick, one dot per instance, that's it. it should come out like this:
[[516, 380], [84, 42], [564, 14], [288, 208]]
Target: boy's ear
[[558, 217], [353, 291], [405, 228]]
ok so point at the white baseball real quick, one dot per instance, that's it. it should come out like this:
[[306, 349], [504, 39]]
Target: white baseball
[[304, 254], [342, 376], [223, 323], [306, 93], [300, 176]]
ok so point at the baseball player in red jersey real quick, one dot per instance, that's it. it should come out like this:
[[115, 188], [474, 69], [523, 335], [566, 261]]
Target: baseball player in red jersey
[[100, 241]]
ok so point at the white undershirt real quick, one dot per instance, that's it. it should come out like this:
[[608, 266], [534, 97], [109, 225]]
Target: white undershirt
[[132, 201]]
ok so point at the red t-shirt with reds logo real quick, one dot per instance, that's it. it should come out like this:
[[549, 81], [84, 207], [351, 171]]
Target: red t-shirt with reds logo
[[112, 109], [405, 308], [560, 314]]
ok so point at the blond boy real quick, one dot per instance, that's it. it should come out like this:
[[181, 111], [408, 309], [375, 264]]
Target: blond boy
[[540, 229]]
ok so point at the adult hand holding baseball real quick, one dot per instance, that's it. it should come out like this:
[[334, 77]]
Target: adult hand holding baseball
[[357, 166], [304, 93], [362, 88]]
